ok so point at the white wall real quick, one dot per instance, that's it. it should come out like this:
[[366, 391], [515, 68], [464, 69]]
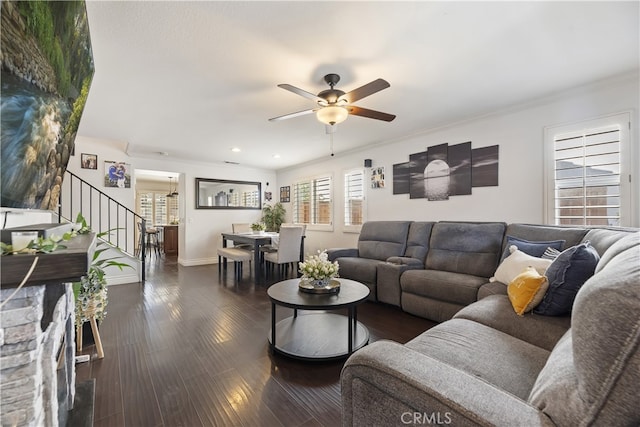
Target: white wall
[[199, 231], [519, 197], [519, 133]]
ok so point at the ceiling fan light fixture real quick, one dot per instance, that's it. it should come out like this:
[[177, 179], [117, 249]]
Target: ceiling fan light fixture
[[332, 115]]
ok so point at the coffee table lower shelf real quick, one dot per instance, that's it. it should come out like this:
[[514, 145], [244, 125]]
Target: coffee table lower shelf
[[317, 336]]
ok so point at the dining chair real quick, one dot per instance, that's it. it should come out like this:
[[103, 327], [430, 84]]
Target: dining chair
[[288, 251], [238, 256], [241, 228]]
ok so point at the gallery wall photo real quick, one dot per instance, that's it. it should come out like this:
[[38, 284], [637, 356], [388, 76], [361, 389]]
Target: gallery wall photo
[[117, 174], [446, 170]]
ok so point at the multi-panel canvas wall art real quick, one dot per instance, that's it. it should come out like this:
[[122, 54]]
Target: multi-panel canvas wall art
[[47, 68], [446, 170]]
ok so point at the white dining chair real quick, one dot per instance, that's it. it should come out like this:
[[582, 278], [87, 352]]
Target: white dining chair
[[242, 228], [238, 256], [288, 251]]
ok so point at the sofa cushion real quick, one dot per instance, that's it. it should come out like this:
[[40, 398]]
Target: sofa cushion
[[383, 239], [602, 238], [534, 232], [442, 285], [566, 274], [555, 391], [418, 240], [606, 337], [515, 264], [535, 249], [360, 269], [465, 247], [502, 360], [496, 312], [593, 375], [492, 288], [526, 290]]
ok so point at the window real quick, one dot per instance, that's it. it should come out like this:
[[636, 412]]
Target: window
[[587, 173], [354, 215], [312, 202], [157, 208]]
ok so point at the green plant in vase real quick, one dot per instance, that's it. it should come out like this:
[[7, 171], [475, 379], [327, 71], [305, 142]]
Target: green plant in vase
[[273, 216], [258, 227], [91, 292]]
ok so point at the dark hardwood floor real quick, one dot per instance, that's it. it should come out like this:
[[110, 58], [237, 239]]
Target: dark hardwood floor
[[189, 348]]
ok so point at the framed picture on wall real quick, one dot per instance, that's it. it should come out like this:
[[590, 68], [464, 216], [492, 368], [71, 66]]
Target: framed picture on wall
[[89, 161], [117, 174], [285, 194]]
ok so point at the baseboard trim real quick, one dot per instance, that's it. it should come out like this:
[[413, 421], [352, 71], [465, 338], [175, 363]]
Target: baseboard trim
[[197, 261]]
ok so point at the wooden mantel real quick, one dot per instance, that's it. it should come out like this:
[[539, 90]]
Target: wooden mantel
[[61, 266]]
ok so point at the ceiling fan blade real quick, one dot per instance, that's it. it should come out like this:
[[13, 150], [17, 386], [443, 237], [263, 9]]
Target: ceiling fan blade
[[301, 92], [366, 90], [291, 115], [370, 114]]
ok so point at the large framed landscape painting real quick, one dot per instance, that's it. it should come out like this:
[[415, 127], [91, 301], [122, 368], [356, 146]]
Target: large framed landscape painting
[[47, 68]]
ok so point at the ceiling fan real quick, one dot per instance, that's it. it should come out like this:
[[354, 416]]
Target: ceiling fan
[[334, 105]]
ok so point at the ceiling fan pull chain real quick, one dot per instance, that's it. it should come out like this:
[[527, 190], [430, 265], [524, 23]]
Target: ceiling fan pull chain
[[331, 136]]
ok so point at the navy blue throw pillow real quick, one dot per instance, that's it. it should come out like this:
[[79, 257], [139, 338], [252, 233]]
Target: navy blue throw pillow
[[535, 249], [566, 275]]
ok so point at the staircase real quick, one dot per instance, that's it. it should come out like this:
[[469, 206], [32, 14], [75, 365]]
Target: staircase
[[104, 215]]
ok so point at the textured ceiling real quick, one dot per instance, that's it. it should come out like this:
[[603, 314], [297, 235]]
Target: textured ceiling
[[195, 79]]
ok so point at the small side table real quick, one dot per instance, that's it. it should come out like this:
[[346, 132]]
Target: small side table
[[317, 336]]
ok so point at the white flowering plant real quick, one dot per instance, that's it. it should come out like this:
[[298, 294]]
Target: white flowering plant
[[318, 267]]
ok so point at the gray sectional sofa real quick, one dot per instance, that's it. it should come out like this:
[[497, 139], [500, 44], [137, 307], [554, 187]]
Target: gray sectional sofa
[[484, 364]]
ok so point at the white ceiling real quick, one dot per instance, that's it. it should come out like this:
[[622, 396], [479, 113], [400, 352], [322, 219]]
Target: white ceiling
[[194, 79]]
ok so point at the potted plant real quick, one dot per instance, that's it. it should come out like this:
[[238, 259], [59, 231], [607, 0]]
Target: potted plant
[[91, 292], [257, 227], [273, 216]]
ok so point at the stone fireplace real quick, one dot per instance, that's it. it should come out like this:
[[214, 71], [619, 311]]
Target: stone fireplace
[[37, 355], [37, 336]]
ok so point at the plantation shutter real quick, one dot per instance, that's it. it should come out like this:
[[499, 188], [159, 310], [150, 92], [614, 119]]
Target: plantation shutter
[[312, 203], [322, 201], [588, 186], [353, 197]]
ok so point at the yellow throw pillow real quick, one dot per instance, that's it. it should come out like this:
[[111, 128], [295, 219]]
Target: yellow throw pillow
[[527, 290]]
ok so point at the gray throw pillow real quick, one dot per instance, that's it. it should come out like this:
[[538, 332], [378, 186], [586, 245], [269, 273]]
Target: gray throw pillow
[[566, 274], [535, 249]]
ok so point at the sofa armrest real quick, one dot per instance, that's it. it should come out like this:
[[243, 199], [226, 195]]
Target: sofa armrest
[[403, 260], [386, 383], [341, 252], [388, 278]]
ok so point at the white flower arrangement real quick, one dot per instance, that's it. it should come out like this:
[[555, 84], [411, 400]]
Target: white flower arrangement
[[318, 267]]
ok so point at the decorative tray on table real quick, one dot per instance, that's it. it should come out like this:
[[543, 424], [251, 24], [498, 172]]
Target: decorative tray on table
[[332, 287]]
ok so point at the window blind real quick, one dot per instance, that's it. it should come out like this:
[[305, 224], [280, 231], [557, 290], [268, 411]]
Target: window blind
[[587, 171], [353, 197], [312, 201]]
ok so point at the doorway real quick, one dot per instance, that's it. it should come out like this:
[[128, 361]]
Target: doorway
[[158, 202]]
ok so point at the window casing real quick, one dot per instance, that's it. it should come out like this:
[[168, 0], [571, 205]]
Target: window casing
[[313, 203], [354, 200], [587, 173]]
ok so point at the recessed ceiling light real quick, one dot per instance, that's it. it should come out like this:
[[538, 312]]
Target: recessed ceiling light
[[276, 156], [163, 153], [235, 149]]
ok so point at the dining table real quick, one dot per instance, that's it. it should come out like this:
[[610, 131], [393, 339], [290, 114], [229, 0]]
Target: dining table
[[256, 240]]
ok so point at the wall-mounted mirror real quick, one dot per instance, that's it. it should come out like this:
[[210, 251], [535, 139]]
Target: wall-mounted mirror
[[227, 194]]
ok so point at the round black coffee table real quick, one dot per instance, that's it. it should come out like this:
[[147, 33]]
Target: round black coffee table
[[317, 336]]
